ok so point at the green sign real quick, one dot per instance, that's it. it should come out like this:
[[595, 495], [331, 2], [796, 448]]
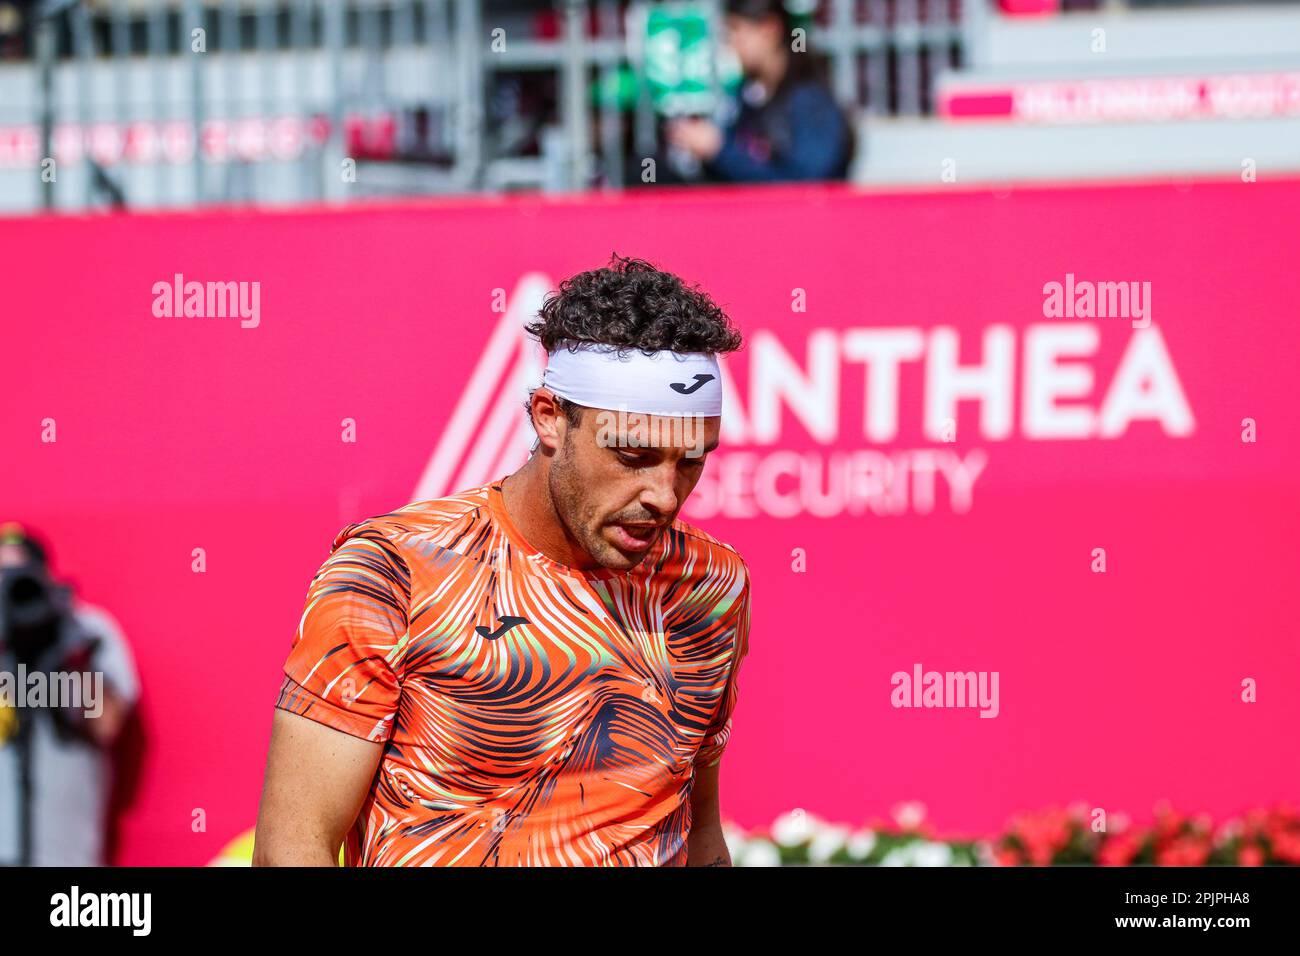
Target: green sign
[[680, 58]]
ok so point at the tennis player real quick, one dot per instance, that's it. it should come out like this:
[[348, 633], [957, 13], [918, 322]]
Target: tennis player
[[540, 671]]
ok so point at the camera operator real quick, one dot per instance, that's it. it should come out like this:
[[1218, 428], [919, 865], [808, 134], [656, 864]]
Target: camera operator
[[55, 753]]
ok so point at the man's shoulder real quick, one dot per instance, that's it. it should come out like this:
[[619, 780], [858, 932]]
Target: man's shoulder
[[95, 619], [714, 556], [421, 520], [113, 654]]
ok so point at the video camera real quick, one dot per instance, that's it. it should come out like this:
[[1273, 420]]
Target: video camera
[[33, 608]]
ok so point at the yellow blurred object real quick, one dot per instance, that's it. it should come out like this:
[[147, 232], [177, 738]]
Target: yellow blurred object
[[238, 852], [11, 532], [8, 722]]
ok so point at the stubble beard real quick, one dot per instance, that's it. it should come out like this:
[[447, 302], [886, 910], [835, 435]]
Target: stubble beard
[[570, 501]]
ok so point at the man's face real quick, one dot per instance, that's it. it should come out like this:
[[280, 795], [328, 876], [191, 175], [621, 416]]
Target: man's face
[[619, 479]]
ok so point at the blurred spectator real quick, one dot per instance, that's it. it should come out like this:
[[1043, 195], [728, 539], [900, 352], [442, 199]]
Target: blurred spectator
[[15, 28], [785, 126], [55, 752]]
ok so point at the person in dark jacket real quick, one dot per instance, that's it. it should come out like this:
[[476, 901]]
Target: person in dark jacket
[[785, 126]]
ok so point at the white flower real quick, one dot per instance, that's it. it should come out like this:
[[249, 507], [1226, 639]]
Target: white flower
[[734, 837], [759, 853], [861, 844], [909, 815], [899, 856], [826, 842], [794, 828], [919, 853], [1231, 830], [931, 854]]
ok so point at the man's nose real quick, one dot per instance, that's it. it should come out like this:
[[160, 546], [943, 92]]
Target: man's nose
[[660, 492]]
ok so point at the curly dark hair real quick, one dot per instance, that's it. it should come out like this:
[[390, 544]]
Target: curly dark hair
[[630, 304]]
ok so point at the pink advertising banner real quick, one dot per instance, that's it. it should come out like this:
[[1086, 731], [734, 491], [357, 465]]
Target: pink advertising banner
[[1045, 437]]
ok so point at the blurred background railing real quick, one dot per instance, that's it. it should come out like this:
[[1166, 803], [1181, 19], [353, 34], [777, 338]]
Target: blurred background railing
[[145, 103]]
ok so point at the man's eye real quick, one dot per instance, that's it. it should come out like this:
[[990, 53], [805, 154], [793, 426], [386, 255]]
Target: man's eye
[[632, 459]]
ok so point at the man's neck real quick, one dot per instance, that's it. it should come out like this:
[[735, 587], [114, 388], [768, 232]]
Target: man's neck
[[527, 497]]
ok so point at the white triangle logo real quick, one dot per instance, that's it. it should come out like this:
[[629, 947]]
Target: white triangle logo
[[489, 435]]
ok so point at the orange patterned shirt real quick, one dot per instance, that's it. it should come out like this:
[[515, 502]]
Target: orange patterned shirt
[[531, 713]]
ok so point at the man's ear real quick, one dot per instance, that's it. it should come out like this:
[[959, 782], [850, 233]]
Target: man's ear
[[548, 418]]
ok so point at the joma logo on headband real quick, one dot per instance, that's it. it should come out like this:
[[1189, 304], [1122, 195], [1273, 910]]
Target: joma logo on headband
[[685, 389]]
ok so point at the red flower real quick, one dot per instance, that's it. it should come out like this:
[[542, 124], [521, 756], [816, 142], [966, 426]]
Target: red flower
[[1286, 847], [1184, 851], [1043, 834], [1168, 824], [1005, 856], [1286, 813], [1119, 850], [1250, 855]]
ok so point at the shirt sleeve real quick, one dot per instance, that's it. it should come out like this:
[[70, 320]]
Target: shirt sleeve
[[343, 670], [715, 741], [113, 656]]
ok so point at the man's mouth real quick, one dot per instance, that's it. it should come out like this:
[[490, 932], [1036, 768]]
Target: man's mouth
[[634, 536]]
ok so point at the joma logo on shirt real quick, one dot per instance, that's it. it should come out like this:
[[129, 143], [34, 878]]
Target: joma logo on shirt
[[507, 622]]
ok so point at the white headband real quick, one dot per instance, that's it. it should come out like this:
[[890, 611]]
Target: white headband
[[662, 383]]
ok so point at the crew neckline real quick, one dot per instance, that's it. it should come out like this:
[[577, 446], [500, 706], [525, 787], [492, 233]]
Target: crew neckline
[[497, 504]]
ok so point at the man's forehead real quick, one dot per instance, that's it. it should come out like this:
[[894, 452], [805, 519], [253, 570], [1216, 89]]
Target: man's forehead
[[662, 431]]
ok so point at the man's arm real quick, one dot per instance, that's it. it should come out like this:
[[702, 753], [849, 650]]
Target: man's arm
[[109, 654], [316, 781], [705, 845], [336, 705], [107, 727]]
